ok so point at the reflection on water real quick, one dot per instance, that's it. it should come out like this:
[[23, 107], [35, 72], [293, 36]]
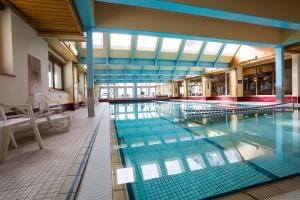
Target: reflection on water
[[169, 157]]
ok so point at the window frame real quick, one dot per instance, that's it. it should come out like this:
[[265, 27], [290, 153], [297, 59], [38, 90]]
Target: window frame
[[53, 60]]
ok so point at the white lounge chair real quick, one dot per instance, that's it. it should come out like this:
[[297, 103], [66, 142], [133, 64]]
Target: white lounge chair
[[22, 116], [51, 111]]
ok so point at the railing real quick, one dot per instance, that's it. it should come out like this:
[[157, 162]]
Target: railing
[[226, 111]]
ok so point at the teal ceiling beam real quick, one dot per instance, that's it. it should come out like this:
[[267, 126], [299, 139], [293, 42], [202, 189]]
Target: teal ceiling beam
[[151, 62], [201, 53], [220, 53], [179, 56], [208, 12], [85, 10]]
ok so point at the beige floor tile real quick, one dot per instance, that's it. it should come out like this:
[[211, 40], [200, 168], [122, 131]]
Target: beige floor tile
[[65, 188], [287, 185], [119, 195], [238, 196], [264, 192]]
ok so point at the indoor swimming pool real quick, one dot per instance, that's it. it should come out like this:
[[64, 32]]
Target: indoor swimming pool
[[167, 156]]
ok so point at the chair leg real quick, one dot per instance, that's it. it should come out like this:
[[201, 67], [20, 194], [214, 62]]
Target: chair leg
[[35, 128], [69, 119], [4, 142], [13, 140], [52, 124]]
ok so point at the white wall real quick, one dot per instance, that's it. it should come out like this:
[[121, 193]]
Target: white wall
[[15, 90]]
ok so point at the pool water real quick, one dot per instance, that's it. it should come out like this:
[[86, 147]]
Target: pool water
[[166, 156]]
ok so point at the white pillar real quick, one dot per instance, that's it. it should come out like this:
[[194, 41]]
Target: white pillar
[[233, 82], [239, 76], [296, 75], [226, 85], [279, 74]]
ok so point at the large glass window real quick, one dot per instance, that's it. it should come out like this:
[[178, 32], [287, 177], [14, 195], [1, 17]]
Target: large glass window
[[103, 93], [259, 80], [55, 74], [181, 89], [288, 76], [195, 87], [129, 92], [218, 84], [121, 92], [50, 74]]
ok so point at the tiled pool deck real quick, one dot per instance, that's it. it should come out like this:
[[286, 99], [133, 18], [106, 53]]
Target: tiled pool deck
[[30, 173], [55, 172]]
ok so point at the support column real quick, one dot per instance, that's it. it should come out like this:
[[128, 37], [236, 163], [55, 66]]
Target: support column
[[279, 74], [203, 78], [185, 89], [226, 85], [296, 76], [135, 90], [239, 76], [90, 74], [233, 82]]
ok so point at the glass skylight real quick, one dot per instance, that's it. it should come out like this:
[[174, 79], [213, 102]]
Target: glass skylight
[[230, 49], [120, 41], [192, 46], [170, 45], [97, 41], [125, 175], [150, 171], [195, 162], [174, 167], [146, 43], [212, 48]]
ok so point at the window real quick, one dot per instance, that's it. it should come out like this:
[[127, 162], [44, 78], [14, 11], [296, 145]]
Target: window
[[218, 84], [146, 43], [55, 74], [259, 80], [50, 74], [97, 41], [120, 41], [212, 48], [170, 45], [230, 49], [192, 46], [195, 87]]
